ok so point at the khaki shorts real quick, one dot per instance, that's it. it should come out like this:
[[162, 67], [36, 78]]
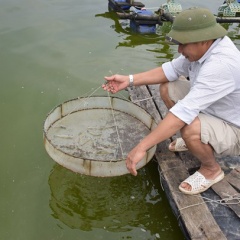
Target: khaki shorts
[[223, 137]]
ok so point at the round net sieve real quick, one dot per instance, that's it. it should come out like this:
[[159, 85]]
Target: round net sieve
[[93, 135]]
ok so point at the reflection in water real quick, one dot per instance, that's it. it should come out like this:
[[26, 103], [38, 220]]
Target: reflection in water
[[116, 204], [86, 202], [117, 26], [132, 39]]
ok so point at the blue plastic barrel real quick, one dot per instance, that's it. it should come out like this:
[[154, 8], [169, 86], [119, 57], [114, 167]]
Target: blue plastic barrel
[[142, 26]]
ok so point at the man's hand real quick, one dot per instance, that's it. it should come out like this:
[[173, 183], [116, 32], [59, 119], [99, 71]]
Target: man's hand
[[116, 83], [135, 156]]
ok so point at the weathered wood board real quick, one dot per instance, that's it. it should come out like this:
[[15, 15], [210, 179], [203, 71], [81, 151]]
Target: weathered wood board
[[228, 189]]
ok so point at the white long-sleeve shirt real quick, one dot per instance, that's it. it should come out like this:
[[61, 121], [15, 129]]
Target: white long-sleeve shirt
[[215, 83]]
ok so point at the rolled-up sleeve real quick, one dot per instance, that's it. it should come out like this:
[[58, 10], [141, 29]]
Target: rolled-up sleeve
[[176, 68], [184, 112], [209, 91]]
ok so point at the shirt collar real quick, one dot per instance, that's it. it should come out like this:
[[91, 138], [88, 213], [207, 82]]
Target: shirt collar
[[209, 51]]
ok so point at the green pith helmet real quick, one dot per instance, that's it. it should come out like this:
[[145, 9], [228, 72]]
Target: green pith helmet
[[195, 25]]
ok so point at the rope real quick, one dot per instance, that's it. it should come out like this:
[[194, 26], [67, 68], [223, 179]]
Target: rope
[[223, 201], [115, 123], [83, 100], [91, 93]]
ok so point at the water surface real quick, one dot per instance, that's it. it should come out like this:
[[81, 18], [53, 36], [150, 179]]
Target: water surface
[[53, 51]]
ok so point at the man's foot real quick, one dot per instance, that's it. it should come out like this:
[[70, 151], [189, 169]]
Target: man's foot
[[178, 145], [197, 183]]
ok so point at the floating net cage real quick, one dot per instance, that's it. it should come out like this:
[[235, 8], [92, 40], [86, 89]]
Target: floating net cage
[[93, 135]]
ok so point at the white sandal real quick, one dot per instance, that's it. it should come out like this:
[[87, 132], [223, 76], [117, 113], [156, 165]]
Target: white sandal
[[199, 183], [179, 146]]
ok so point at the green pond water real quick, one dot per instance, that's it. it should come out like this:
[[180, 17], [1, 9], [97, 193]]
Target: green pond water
[[53, 51]]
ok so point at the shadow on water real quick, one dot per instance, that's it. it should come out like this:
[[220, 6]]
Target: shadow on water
[[116, 204]]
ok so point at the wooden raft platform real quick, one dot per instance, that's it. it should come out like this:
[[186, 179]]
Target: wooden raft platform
[[214, 214]]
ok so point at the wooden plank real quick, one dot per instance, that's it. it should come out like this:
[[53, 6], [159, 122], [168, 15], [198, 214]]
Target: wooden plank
[[160, 105], [225, 190], [234, 178], [194, 212], [142, 97]]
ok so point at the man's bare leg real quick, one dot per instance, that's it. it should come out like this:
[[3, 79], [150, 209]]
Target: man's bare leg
[[191, 134], [209, 168], [163, 88]]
